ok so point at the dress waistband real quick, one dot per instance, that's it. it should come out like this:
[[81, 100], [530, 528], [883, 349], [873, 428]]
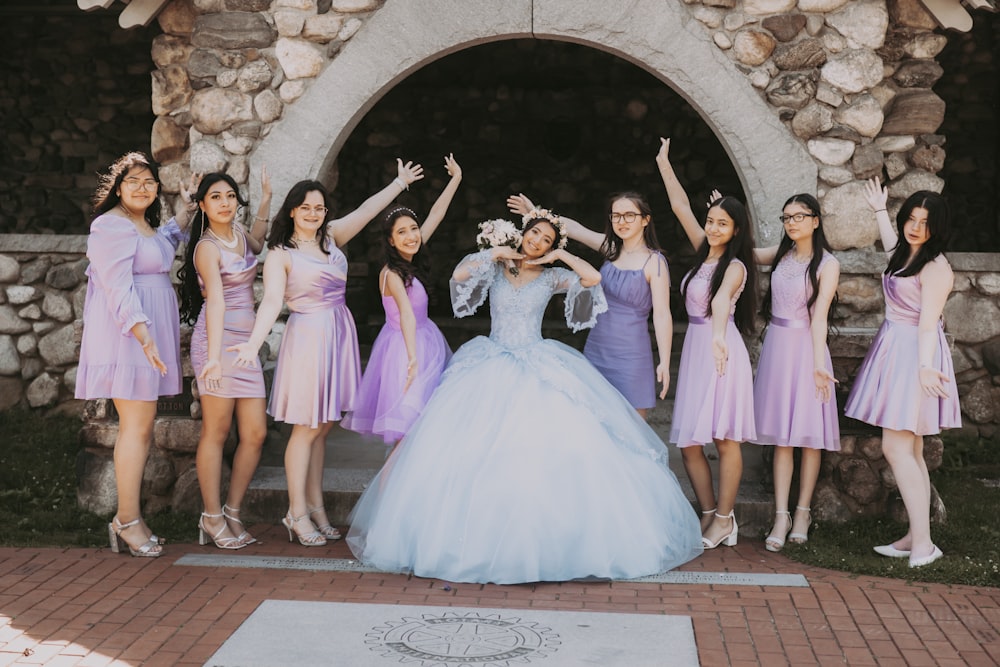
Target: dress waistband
[[790, 324], [703, 320], [152, 280]]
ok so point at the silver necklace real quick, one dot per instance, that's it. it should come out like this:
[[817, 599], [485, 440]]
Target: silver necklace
[[299, 241], [229, 244]]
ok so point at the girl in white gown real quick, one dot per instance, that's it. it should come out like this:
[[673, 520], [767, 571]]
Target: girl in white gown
[[526, 465]]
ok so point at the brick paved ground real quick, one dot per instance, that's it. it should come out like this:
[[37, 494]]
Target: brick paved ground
[[90, 607]]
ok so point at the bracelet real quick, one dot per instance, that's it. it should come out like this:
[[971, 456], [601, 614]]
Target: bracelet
[[261, 218], [401, 183]]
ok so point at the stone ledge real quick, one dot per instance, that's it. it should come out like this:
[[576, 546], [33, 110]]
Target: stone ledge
[[43, 243]]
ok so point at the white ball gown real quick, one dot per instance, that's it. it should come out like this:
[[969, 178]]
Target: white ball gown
[[526, 464]]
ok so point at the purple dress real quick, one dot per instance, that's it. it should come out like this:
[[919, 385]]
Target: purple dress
[[319, 367], [619, 346], [382, 407], [128, 283], [708, 407], [887, 389], [238, 273], [786, 408]]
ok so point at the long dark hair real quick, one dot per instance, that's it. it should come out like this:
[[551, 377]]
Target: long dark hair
[[190, 292], [739, 247], [107, 196], [819, 246], [938, 230], [611, 248], [419, 266], [283, 227]]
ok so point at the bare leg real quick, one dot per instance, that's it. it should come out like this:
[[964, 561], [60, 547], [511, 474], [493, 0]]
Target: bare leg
[[910, 471], [298, 454], [784, 465], [314, 479], [700, 474], [730, 474], [216, 420], [135, 433], [251, 425], [808, 474], [642, 412]]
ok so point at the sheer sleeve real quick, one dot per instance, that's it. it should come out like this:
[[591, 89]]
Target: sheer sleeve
[[583, 304], [172, 232], [111, 250], [467, 295]]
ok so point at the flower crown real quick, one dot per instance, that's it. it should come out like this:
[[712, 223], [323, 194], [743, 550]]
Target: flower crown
[[552, 218]]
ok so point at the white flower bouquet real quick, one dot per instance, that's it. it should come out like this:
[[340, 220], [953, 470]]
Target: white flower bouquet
[[495, 233]]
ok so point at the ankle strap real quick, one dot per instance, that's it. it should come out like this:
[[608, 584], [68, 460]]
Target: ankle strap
[[711, 511], [803, 509], [122, 526], [731, 515], [212, 516]]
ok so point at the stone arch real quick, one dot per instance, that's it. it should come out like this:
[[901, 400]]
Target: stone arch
[[660, 37]]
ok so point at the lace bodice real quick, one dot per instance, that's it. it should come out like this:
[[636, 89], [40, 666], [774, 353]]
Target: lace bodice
[[790, 288], [698, 291], [517, 312]]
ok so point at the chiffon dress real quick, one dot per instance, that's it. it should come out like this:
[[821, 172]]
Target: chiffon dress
[[787, 410], [618, 345], [708, 406], [887, 391], [382, 407], [129, 282], [525, 465], [319, 366], [238, 273]]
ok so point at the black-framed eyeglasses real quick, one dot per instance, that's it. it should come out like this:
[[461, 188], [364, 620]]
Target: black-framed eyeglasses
[[629, 217], [797, 217]]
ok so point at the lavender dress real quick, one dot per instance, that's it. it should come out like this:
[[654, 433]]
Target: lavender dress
[[787, 410], [382, 407], [887, 389], [709, 407], [238, 273], [619, 346], [128, 283], [319, 367]]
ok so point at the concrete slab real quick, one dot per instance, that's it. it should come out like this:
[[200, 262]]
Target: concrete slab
[[351, 565], [283, 632]]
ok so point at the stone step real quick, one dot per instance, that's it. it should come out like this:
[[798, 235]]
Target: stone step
[[352, 460]]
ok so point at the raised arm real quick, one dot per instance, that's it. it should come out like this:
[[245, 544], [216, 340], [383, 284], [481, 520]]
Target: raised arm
[[258, 228], [829, 276], [589, 276], [346, 228], [877, 195], [658, 276], [936, 282], [721, 305], [276, 268], [679, 201], [521, 205], [440, 206]]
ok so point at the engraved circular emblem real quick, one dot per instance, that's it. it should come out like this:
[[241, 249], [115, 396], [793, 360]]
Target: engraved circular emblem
[[463, 638]]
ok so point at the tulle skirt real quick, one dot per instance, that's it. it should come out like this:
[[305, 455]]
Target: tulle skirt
[[526, 465]]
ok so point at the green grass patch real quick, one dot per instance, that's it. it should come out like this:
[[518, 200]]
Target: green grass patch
[[38, 487]]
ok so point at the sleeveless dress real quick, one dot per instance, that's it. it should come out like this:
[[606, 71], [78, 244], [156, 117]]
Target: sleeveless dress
[[887, 389], [129, 282], [238, 273], [319, 366], [382, 407], [708, 407], [526, 465], [786, 408], [619, 344]]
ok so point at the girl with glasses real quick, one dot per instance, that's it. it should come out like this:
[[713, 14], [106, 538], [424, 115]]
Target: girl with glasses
[[217, 297], [410, 352], [636, 281], [318, 370], [794, 401], [714, 395], [130, 351]]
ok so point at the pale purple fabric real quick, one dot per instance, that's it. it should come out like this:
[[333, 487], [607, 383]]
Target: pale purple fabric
[[129, 282], [382, 407], [238, 273], [887, 389], [319, 367], [708, 407], [786, 408], [619, 344]]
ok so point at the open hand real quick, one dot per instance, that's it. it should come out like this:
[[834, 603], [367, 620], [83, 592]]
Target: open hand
[[715, 196], [547, 258], [876, 194], [211, 375], [265, 183], [411, 374], [720, 352], [519, 204], [246, 355], [153, 356], [663, 375], [408, 173], [824, 384], [452, 167], [663, 156], [932, 382]]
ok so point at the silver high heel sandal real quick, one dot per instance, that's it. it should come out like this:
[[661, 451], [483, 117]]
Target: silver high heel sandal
[[730, 538], [773, 542], [149, 549], [801, 538], [204, 536], [328, 531], [311, 539], [244, 537]]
